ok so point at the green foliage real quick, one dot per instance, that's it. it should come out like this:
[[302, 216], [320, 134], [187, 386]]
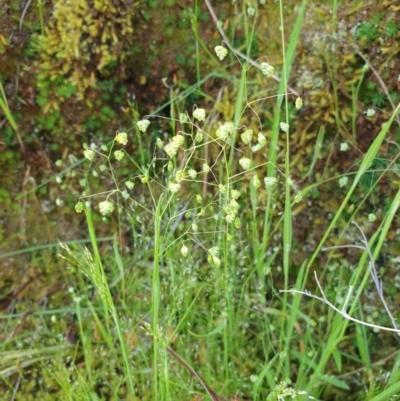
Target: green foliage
[[371, 95], [32, 48], [392, 29], [9, 135], [369, 30], [378, 99], [394, 96], [51, 122], [66, 90], [92, 123], [15, 6], [106, 113]]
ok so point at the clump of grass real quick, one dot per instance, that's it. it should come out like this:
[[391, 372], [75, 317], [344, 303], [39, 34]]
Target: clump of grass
[[199, 183], [182, 211], [183, 221]]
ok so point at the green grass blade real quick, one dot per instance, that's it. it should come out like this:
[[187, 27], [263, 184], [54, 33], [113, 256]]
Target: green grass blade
[[365, 165], [385, 395]]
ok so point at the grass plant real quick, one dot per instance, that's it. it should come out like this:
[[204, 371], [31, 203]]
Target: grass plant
[[183, 300]]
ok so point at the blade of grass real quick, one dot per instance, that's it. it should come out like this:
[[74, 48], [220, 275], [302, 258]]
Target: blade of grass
[[288, 58], [385, 395], [6, 110], [101, 283], [339, 326], [156, 295], [272, 156], [365, 165]]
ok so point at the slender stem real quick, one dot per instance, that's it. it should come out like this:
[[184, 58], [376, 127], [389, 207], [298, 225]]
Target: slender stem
[[136, 117], [227, 308], [237, 52], [40, 8], [196, 33], [213, 395], [287, 219], [156, 293]]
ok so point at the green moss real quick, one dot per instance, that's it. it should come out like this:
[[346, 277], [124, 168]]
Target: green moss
[[87, 38], [8, 135], [369, 30], [93, 123], [66, 90], [15, 6], [392, 29]]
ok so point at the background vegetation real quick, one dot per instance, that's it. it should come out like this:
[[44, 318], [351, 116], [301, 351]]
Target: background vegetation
[[172, 290]]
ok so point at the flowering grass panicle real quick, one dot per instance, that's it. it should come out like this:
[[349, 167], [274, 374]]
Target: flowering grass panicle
[[221, 52]]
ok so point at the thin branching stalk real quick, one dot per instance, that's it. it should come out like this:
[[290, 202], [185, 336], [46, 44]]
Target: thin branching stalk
[[235, 51]]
